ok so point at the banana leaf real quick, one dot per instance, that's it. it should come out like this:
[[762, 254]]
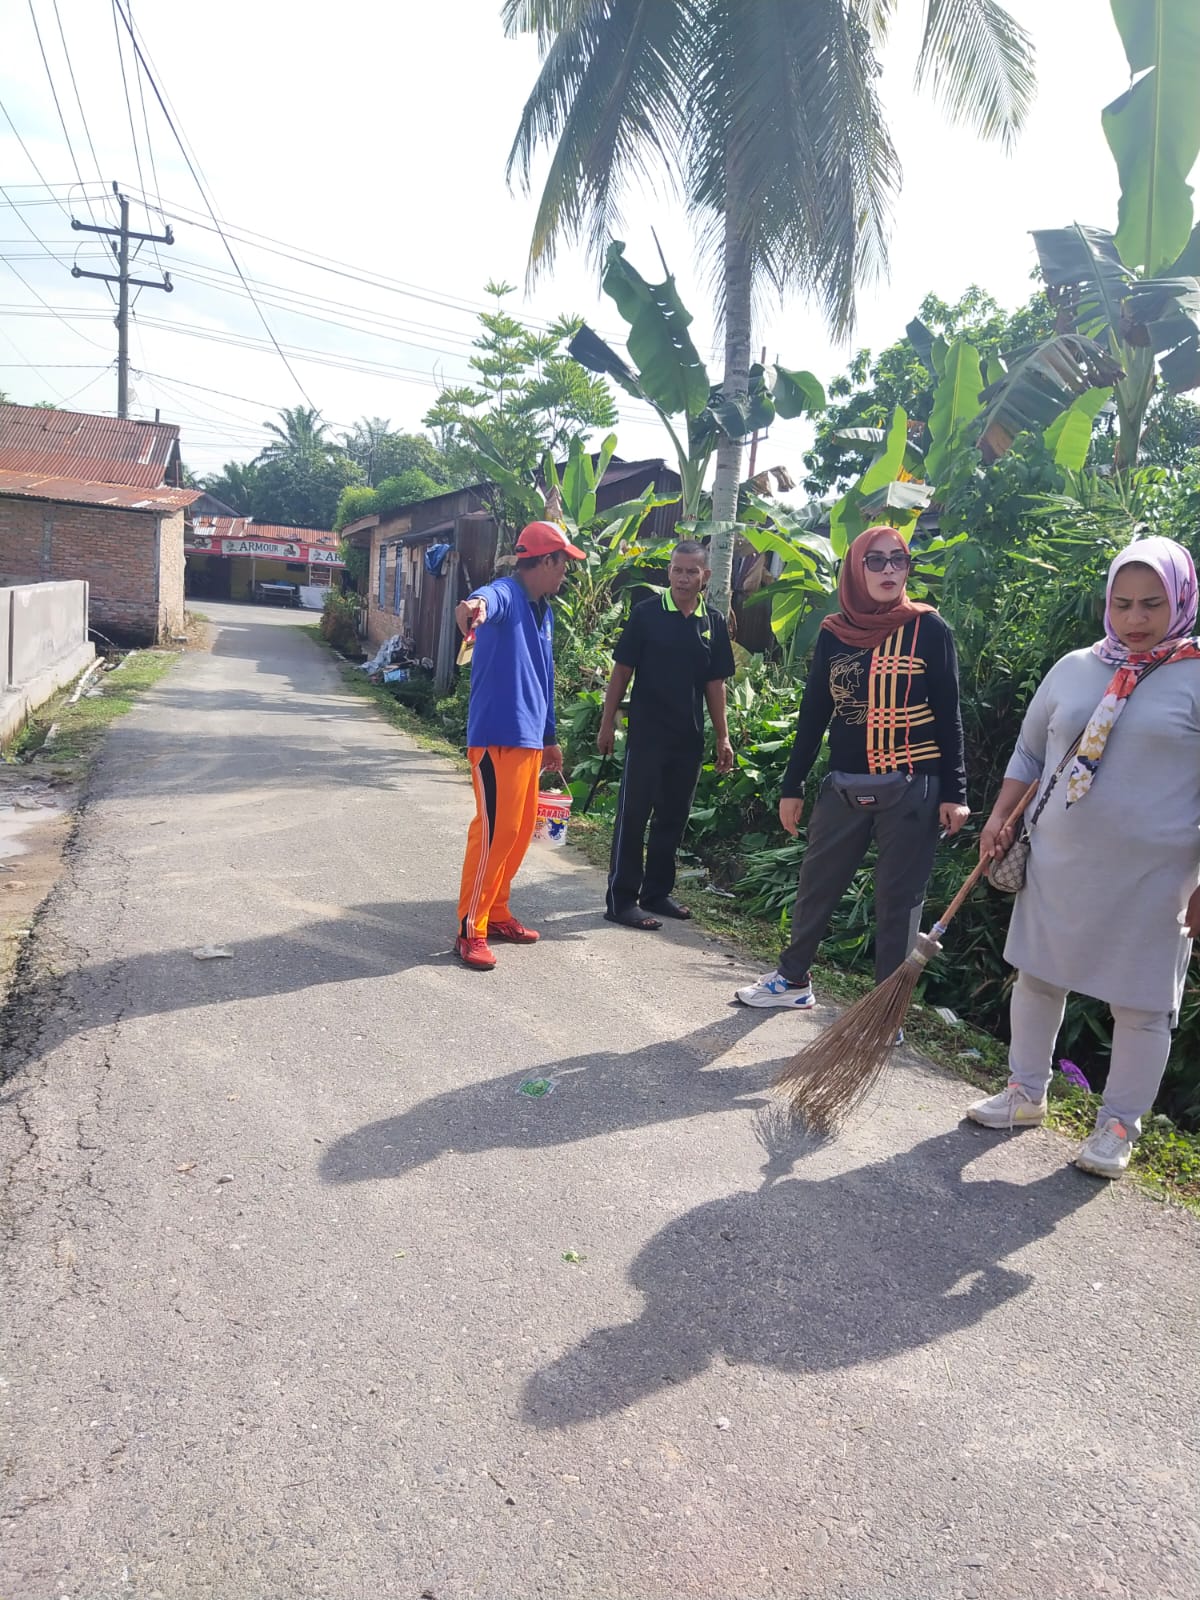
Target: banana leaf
[[1042, 381], [669, 366]]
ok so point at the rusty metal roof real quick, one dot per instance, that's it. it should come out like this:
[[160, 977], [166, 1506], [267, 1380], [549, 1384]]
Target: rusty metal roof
[[247, 528], [91, 449], [78, 491]]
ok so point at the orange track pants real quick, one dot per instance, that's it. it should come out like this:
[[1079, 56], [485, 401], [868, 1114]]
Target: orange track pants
[[506, 796]]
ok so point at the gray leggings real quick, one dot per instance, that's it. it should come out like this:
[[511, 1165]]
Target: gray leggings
[[1141, 1042], [838, 838]]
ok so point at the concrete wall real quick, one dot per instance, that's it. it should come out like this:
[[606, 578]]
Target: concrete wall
[[131, 560], [43, 645], [47, 621]]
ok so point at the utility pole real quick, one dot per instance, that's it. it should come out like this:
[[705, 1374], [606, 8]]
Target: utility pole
[[124, 281]]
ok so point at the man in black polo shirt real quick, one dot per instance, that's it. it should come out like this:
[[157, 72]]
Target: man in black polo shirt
[[678, 654]]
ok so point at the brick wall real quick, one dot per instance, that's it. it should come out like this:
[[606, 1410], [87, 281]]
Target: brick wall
[[171, 562], [117, 552]]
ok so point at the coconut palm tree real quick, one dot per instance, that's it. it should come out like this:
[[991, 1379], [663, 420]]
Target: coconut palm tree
[[302, 436], [765, 115]]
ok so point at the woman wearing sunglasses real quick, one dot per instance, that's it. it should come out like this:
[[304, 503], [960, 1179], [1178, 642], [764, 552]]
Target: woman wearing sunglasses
[[884, 683]]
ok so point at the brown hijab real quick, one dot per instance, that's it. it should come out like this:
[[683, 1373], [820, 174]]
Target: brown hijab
[[861, 622]]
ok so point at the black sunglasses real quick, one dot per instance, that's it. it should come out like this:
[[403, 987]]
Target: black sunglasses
[[881, 560]]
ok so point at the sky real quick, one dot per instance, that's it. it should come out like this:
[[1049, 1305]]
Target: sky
[[378, 145]]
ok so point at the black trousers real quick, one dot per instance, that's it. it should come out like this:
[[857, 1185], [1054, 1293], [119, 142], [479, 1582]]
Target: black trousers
[[657, 786], [838, 838]]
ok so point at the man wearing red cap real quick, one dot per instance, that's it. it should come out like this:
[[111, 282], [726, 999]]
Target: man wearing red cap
[[511, 737]]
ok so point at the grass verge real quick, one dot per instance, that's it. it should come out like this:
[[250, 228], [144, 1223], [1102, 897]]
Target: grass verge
[[80, 728], [1166, 1162]]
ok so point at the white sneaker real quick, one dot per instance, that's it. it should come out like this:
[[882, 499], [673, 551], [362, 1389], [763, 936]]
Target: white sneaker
[[1011, 1108], [775, 990], [1107, 1151]]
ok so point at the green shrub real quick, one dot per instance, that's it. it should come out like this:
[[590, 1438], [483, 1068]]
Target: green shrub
[[339, 622]]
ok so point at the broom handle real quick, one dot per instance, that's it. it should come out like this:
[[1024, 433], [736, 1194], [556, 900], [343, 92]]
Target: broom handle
[[955, 905]]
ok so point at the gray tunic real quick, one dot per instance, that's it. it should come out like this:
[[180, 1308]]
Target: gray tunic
[[1109, 879]]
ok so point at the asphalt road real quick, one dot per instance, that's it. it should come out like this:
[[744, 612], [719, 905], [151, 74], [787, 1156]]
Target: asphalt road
[[305, 1300]]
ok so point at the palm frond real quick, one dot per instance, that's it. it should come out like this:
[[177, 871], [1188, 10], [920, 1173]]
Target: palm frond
[[610, 97], [785, 128], [978, 61], [877, 16]]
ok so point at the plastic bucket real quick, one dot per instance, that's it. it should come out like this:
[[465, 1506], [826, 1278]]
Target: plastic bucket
[[553, 815]]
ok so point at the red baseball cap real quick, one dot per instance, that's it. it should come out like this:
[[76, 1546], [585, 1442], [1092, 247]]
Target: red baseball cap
[[544, 539]]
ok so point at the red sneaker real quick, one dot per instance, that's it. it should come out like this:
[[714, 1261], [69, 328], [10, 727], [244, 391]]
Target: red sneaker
[[474, 953], [512, 932]]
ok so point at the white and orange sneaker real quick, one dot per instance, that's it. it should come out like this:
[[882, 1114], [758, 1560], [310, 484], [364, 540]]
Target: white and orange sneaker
[[1107, 1151]]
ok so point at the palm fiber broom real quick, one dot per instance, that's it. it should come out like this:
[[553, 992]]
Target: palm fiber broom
[[828, 1079]]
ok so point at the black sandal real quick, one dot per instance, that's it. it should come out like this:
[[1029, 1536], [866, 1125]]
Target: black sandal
[[631, 917], [666, 907]]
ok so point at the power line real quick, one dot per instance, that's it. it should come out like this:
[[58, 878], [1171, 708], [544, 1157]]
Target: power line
[[54, 96], [82, 114], [145, 120], [52, 199], [18, 274], [192, 168], [128, 103]]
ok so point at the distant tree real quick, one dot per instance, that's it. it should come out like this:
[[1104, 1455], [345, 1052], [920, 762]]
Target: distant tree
[[1172, 436], [872, 386], [300, 433], [301, 491], [234, 484], [393, 494], [382, 453], [528, 397]]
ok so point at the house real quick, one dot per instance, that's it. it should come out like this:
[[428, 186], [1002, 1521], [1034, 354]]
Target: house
[[233, 558], [98, 499], [408, 595]]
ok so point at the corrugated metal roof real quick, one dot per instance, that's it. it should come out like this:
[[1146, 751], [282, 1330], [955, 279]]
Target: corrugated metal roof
[[247, 528], [78, 491], [89, 448]]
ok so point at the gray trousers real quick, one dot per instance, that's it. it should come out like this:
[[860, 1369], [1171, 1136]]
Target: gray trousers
[[838, 838], [1141, 1042]]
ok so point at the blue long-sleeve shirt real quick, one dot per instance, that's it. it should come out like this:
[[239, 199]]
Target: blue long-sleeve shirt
[[512, 670]]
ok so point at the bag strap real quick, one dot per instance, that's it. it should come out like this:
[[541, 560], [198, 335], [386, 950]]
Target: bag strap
[[1072, 752]]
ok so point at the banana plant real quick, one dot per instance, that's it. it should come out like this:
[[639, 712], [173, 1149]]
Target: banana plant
[[665, 371], [1136, 292]]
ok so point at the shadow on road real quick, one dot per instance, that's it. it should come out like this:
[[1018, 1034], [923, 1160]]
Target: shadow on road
[[814, 1274], [603, 1092], [365, 941]]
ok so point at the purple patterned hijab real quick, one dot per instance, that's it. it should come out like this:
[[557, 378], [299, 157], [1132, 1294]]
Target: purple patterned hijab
[[1175, 567]]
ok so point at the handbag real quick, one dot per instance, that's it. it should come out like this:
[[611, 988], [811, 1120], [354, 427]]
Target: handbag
[[1008, 873]]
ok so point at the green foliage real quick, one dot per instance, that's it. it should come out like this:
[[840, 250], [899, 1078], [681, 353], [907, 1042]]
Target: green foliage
[[380, 453], [234, 484], [1153, 130], [667, 374], [903, 375], [355, 501], [339, 619], [527, 397], [301, 491], [406, 489]]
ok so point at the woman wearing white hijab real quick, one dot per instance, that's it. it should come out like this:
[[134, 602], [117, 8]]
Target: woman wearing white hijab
[[1110, 902]]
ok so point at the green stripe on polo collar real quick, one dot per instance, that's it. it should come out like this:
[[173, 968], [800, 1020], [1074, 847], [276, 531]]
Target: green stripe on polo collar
[[669, 603]]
